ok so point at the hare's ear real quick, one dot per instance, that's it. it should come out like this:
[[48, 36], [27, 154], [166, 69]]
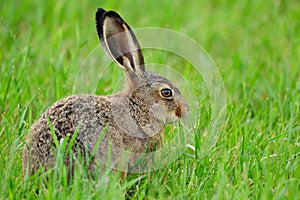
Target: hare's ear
[[119, 41]]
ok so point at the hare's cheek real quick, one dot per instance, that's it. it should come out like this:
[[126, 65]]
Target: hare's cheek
[[158, 112]]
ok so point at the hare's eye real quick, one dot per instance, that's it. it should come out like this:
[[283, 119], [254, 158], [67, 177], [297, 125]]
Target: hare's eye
[[166, 93]]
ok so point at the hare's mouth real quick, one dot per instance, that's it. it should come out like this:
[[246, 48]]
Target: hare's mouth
[[177, 114], [172, 118]]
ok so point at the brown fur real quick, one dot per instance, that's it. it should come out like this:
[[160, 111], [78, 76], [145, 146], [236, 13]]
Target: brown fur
[[135, 117]]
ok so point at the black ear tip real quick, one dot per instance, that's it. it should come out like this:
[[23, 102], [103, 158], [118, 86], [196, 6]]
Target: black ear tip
[[100, 12], [99, 22]]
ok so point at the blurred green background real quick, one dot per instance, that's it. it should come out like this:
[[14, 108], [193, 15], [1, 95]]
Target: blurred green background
[[256, 46]]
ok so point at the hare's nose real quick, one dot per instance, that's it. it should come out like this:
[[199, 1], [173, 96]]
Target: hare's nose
[[182, 111], [178, 112]]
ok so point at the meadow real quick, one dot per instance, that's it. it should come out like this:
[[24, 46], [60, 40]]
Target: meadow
[[254, 44]]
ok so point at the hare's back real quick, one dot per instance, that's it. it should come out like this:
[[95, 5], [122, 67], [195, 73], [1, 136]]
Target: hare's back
[[87, 114]]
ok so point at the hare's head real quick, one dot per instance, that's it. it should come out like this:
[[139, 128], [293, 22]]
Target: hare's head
[[147, 88]]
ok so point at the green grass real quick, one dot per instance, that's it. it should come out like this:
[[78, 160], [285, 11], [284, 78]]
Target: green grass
[[255, 45]]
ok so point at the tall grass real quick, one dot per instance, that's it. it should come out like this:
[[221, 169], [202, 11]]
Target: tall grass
[[255, 44]]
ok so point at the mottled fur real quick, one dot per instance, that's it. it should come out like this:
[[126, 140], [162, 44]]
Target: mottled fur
[[135, 117]]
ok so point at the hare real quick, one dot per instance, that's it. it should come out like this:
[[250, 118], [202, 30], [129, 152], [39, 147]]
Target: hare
[[131, 120]]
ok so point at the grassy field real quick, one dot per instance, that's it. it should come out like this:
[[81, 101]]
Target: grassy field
[[256, 46]]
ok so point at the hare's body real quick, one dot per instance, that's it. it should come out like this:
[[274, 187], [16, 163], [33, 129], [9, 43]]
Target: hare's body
[[89, 114], [129, 121]]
